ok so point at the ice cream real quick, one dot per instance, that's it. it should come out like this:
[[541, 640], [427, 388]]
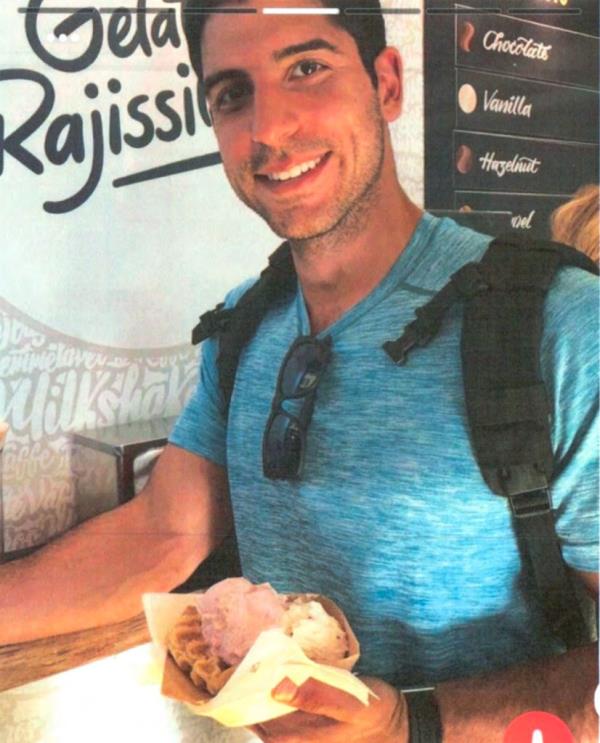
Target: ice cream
[[241, 695], [234, 612], [319, 635], [215, 632]]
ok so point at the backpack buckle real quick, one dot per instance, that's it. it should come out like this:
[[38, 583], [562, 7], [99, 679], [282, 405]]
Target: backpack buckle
[[510, 480], [418, 333], [533, 503], [211, 322], [399, 349]]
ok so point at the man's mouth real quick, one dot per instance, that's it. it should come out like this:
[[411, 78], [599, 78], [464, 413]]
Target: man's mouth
[[297, 173], [297, 170], [287, 182]]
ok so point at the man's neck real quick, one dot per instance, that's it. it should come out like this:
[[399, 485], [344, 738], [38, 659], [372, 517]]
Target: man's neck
[[339, 269]]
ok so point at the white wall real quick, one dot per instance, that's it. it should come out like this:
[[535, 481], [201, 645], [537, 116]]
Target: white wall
[[97, 300]]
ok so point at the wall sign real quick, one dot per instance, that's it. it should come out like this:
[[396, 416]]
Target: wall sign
[[511, 103]]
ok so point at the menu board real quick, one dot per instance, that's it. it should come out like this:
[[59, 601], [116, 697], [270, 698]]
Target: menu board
[[511, 106]]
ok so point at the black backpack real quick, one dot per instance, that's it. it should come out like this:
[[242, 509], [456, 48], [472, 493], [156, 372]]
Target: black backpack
[[507, 406]]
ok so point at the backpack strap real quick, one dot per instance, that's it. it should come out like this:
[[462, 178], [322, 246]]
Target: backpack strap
[[506, 401], [236, 326], [469, 280], [465, 283], [507, 407], [509, 413]]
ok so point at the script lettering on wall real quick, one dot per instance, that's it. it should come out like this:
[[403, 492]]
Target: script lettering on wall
[[113, 123], [51, 384]]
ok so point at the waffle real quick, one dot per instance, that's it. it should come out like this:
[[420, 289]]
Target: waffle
[[192, 654]]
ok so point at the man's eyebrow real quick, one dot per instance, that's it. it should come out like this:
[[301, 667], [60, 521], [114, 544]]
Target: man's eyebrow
[[305, 46], [231, 74]]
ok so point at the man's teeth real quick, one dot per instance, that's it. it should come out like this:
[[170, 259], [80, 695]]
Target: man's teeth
[[294, 172]]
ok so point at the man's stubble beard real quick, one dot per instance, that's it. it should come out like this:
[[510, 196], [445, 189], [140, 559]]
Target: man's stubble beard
[[346, 216]]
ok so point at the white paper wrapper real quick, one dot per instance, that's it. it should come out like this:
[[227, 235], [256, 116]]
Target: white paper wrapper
[[246, 697]]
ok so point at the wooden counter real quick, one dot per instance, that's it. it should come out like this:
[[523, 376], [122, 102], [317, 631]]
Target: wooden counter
[[28, 661], [114, 695]]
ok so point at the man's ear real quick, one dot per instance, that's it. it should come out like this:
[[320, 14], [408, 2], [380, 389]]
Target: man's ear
[[388, 67]]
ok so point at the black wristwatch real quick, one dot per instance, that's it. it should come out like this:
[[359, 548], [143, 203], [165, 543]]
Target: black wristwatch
[[424, 721]]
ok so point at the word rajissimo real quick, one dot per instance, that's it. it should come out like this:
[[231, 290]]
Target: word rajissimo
[[127, 32]]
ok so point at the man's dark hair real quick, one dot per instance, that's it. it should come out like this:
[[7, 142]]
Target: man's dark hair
[[368, 29]]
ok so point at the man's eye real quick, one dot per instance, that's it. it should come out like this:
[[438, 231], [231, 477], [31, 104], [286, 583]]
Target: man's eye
[[231, 97], [306, 68]]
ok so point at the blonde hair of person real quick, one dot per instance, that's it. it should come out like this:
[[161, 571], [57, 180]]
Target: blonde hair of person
[[576, 222]]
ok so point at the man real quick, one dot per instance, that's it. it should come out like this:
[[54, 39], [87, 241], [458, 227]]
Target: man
[[390, 516]]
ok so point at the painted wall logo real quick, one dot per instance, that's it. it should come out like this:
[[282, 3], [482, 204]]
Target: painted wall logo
[[68, 41], [49, 386]]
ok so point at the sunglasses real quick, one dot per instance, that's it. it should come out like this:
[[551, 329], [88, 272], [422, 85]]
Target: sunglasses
[[284, 440]]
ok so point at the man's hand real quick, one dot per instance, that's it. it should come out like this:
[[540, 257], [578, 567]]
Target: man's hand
[[328, 715]]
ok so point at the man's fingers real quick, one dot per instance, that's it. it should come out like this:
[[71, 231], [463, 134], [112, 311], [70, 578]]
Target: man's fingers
[[319, 699], [258, 731], [297, 727]]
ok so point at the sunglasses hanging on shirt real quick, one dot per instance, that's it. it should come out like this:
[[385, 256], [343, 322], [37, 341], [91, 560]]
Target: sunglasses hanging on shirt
[[284, 440]]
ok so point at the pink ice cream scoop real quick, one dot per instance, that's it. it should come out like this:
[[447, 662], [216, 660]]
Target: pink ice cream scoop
[[234, 613]]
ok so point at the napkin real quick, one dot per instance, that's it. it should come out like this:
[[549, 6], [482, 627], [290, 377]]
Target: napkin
[[246, 697]]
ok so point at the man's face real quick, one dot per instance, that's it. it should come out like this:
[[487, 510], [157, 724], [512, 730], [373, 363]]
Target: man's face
[[296, 117]]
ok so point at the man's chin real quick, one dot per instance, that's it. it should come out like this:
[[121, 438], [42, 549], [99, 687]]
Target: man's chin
[[295, 222], [298, 230]]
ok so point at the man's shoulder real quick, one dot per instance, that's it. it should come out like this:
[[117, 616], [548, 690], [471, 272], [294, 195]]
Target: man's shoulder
[[571, 308], [572, 282], [447, 246], [456, 241], [451, 245], [234, 295]]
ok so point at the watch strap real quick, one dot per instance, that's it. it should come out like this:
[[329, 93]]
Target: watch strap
[[424, 721]]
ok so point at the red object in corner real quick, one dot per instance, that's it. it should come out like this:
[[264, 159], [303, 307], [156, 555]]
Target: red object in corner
[[538, 727]]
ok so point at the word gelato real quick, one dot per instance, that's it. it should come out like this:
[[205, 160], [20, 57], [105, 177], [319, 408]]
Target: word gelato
[[85, 138]]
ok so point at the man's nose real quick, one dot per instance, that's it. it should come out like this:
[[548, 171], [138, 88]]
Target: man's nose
[[275, 118]]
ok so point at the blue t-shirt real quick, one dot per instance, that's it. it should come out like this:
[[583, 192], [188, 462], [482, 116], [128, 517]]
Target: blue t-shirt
[[392, 518]]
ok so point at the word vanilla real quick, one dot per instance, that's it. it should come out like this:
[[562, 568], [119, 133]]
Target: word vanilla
[[516, 105]]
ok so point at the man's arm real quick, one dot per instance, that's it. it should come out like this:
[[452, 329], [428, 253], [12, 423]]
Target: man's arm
[[477, 710], [95, 574], [480, 709], [564, 686]]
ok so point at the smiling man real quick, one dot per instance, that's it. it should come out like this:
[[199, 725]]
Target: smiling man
[[346, 474], [383, 507], [303, 135], [315, 153]]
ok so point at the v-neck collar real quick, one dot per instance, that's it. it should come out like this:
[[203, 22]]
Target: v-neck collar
[[406, 262]]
